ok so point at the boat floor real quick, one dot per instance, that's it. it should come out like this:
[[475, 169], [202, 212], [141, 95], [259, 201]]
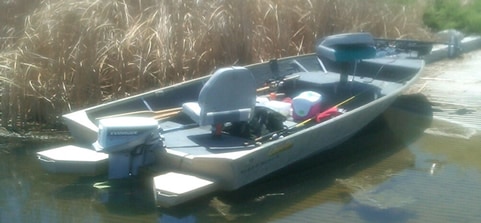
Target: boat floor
[[199, 140]]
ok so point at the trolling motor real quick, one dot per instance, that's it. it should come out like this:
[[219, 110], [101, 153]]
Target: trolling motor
[[453, 39], [131, 143]]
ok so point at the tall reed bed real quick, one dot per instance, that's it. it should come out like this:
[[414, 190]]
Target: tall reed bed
[[76, 53]]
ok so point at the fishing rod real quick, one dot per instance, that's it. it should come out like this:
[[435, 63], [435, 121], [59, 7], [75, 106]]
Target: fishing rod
[[164, 113], [326, 112], [170, 112]]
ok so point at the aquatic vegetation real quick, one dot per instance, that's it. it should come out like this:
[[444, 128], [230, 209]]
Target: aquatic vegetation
[[366, 194]]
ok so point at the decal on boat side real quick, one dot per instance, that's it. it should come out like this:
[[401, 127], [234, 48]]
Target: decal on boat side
[[255, 167], [283, 147], [123, 133]]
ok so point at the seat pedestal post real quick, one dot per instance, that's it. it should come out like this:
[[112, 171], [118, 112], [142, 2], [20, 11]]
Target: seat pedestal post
[[217, 130], [344, 73]]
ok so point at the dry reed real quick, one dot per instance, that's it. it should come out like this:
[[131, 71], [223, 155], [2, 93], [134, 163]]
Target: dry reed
[[76, 53]]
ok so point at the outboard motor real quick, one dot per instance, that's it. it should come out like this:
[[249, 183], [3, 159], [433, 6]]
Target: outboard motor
[[130, 142], [453, 38]]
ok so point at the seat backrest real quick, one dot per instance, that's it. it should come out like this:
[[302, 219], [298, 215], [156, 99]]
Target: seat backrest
[[229, 95], [347, 47]]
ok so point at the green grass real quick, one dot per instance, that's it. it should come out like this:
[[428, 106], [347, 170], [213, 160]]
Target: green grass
[[69, 54], [454, 14]]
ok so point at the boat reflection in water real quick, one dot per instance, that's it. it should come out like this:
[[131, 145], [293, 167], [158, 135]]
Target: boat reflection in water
[[356, 178], [383, 174]]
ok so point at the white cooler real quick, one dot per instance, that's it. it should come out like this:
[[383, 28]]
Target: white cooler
[[306, 105]]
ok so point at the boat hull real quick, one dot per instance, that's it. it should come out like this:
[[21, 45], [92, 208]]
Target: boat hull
[[189, 155], [236, 169]]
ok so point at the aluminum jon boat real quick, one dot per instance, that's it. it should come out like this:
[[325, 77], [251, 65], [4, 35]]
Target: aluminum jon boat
[[241, 123]]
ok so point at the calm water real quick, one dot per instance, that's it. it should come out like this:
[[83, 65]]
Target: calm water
[[405, 167]]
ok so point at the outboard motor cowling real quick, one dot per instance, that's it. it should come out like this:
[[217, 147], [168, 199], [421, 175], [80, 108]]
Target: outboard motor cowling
[[130, 142]]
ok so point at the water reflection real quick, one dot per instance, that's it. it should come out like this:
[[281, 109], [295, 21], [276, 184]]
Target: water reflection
[[453, 145]]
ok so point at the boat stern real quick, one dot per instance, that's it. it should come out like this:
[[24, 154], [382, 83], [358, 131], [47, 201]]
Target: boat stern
[[173, 188], [72, 159]]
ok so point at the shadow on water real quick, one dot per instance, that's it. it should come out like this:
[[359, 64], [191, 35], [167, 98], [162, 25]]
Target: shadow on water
[[125, 197], [378, 152], [128, 197]]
